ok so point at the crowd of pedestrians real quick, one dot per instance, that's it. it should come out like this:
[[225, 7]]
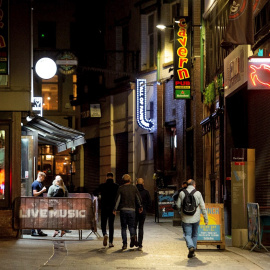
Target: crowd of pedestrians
[[132, 202]]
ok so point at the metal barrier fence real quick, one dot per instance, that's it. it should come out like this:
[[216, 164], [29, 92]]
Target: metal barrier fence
[[55, 213]]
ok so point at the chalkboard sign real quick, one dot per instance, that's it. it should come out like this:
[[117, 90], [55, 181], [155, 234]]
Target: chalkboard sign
[[164, 202]]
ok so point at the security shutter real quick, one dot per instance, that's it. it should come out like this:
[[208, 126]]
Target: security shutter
[[91, 165], [259, 138]]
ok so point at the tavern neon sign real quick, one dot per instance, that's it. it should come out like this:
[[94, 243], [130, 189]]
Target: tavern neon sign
[[259, 73], [141, 105], [182, 83]]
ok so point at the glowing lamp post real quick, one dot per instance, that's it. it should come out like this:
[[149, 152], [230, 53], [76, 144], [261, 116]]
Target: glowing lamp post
[[45, 68]]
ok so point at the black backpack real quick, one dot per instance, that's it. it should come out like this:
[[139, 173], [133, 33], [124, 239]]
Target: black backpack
[[59, 192], [189, 203]]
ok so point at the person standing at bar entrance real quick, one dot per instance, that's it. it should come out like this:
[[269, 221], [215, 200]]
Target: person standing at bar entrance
[[108, 193], [190, 222], [37, 191], [127, 198]]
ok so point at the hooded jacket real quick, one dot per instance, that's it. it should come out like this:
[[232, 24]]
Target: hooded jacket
[[146, 199], [108, 193]]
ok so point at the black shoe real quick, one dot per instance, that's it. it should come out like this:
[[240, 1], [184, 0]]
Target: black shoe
[[42, 234], [132, 241], [34, 234], [136, 242], [140, 248], [191, 253], [124, 247], [68, 231]]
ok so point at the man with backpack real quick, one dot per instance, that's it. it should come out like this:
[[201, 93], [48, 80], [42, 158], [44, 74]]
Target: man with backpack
[[191, 203]]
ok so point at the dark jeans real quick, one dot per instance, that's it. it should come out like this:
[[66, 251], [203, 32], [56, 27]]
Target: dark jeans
[[33, 231], [107, 215], [127, 219], [140, 218]]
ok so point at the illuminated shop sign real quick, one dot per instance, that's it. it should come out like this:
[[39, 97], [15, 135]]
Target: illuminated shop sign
[[182, 60], [37, 106], [259, 73], [141, 105]]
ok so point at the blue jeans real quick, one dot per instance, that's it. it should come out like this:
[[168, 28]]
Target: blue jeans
[[191, 233], [127, 219]]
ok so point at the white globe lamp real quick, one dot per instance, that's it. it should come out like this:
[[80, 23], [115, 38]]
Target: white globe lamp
[[45, 68]]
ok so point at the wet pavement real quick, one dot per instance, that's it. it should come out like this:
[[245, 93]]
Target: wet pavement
[[163, 248]]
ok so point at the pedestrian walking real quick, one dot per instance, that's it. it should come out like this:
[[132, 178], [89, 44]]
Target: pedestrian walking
[[190, 221], [126, 199], [37, 191], [108, 191], [140, 217]]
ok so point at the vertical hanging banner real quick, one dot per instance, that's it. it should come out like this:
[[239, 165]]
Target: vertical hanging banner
[[240, 30], [141, 105], [4, 37], [182, 59]]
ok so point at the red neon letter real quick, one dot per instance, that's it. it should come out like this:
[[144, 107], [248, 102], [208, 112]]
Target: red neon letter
[[183, 73]]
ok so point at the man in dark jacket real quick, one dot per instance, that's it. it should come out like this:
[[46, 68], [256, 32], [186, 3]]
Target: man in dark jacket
[[108, 193], [140, 217], [127, 198]]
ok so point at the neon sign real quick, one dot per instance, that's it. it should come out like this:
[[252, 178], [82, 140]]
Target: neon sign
[[259, 73], [141, 105], [182, 83]]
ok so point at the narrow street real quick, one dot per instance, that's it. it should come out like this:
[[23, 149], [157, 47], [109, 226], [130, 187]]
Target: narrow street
[[163, 248]]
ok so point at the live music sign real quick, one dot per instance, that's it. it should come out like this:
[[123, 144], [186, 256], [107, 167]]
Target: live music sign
[[182, 59]]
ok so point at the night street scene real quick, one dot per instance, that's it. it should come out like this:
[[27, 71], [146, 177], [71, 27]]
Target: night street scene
[[134, 134]]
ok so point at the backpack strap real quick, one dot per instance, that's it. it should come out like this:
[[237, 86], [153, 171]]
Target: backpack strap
[[191, 193]]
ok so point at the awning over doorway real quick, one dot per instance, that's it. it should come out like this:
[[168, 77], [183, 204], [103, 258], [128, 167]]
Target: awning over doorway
[[52, 133]]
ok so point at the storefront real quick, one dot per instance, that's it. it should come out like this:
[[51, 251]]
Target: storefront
[[51, 148]]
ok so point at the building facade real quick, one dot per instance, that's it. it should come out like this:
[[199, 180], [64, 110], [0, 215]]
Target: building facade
[[34, 135], [160, 135]]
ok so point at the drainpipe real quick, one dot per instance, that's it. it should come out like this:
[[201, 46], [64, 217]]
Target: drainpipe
[[158, 39]]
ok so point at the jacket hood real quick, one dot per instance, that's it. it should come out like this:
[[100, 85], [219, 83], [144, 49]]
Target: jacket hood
[[140, 187], [109, 181]]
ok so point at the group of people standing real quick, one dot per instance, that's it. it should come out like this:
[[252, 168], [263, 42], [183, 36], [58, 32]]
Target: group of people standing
[[132, 202], [57, 189]]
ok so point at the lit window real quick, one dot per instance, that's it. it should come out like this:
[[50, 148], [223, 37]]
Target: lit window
[[4, 80], [173, 146], [50, 94], [2, 164]]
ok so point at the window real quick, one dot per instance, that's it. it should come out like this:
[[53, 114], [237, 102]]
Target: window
[[50, 94], [173, 146], [47, 35], [55, 164], [146, 147], [4, 80], [4, 165]]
